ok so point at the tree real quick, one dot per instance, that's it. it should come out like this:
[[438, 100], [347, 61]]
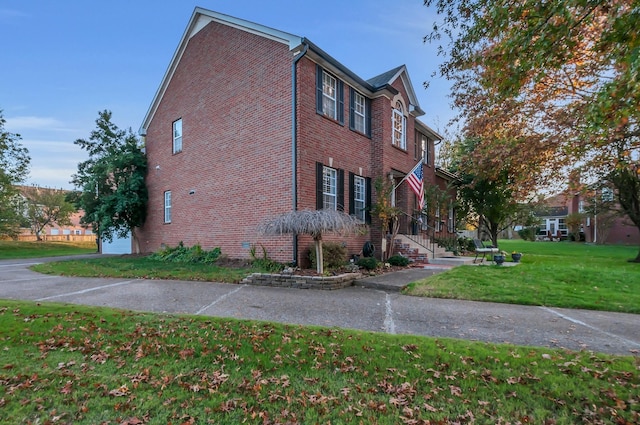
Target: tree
[[112, 186], [547, 85], [490, 199], [314, 223], [46, 207], [388, 215], [14, 168]]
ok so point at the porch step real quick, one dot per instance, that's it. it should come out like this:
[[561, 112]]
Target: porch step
[[451, 260]]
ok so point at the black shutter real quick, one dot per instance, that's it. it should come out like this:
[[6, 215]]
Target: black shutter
[[319, 89], [367, 205], [367, 116], [319, 184], [340, 191], [352, 103], [352, 200], [340, 102]]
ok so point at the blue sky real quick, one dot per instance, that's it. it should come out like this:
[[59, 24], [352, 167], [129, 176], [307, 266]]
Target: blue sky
[[63, 61]]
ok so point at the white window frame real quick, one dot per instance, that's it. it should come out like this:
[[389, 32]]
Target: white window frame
[[424, 147], [177, 135], [399, 127], [359, 112], [329, 188], [329, 95], [359, 196], [167, 206], [450, 226]]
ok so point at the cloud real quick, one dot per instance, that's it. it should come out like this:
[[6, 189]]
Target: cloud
[[35, 123], [11, 13]]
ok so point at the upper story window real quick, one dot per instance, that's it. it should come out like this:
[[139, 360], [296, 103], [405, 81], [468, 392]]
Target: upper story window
[[359, 113], [422, 148], [167, 206], [177, 136], [329, 188], [329, 91], [329, 95], [399, 127]]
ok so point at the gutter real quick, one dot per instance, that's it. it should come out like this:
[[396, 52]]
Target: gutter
[[294, 140]]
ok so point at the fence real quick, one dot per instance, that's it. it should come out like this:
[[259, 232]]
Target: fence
[[58, 238]]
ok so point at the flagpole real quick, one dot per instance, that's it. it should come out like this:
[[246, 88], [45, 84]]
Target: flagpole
[[408, 174]]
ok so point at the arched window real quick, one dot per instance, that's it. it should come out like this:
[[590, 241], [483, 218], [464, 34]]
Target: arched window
[[399, 127]]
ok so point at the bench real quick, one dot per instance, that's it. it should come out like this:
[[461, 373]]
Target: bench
[[482, 249]]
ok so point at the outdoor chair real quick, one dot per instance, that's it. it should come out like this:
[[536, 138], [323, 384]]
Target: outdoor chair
[[482, 249]]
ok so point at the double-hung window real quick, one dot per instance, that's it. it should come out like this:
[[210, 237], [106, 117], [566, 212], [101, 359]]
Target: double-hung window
[[329, 188], [399, 127], [359, 115], [359, 197], [329, 95], [422, 147], [359, 112], [177, 136], [329, 92], [167, 206]]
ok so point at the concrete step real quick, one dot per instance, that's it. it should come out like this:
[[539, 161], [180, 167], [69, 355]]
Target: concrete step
[[451, 261]]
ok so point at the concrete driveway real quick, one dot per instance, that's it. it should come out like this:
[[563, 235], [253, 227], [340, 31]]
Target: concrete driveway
[[354, 307]]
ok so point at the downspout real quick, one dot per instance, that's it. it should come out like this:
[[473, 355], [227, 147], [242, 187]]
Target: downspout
[[294, 140]]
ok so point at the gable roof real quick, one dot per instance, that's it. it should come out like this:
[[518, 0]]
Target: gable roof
[[199, 19], [387, 78], [202, 17]]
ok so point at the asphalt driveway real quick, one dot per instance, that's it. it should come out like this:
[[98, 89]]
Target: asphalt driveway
[[355, 307]]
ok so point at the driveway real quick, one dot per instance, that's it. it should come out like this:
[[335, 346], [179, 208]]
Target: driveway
[[354, 307]]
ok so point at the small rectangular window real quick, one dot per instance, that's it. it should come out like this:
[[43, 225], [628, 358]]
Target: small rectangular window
[[329, 189], [167, 206], [177, 136], [399, 122]]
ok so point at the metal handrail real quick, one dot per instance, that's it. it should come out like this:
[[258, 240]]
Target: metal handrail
[[425, 237]]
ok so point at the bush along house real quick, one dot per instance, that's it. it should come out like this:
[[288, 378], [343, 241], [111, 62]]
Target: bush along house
[[250, 122]]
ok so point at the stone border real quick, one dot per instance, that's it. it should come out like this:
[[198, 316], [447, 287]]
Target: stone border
[[302, 282]]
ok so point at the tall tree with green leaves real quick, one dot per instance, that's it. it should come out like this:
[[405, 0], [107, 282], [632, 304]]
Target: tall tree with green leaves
[[113, 193], [46, 207], [14, 168], [491, 200], [547, 85]]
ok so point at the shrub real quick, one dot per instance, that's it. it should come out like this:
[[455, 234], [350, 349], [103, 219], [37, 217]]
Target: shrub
[[334, 255], [368, 263], [450, 243], [183, 254], [265, 262], [528, 233], [398, 260]]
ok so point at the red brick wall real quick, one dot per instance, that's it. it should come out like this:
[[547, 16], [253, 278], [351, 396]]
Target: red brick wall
[[232, 90], [233, 93]]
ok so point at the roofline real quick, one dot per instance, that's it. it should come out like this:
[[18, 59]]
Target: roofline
[[325, 59], [447, 174], [430, 132], [199, 19]]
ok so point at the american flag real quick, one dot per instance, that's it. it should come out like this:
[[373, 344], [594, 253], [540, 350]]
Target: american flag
[[414, 178]]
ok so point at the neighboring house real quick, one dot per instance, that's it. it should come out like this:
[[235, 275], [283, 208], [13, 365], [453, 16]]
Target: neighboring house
[[250, 122], [74, 231], [597, 226]]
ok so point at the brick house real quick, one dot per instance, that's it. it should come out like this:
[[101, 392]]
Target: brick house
[[602, 227], [250, 122]]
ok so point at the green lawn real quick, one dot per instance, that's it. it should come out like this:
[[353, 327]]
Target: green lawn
[[571, 275], [87, 365], [15, 249]]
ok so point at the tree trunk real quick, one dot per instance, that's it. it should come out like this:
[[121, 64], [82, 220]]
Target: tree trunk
[[637, 259], [319, 259]]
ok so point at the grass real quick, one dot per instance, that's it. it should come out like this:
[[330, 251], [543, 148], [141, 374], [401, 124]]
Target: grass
[[87, 365], [564, 274], [133, 267], [15, 249]]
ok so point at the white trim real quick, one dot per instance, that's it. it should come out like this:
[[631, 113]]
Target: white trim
[[199, 19]]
